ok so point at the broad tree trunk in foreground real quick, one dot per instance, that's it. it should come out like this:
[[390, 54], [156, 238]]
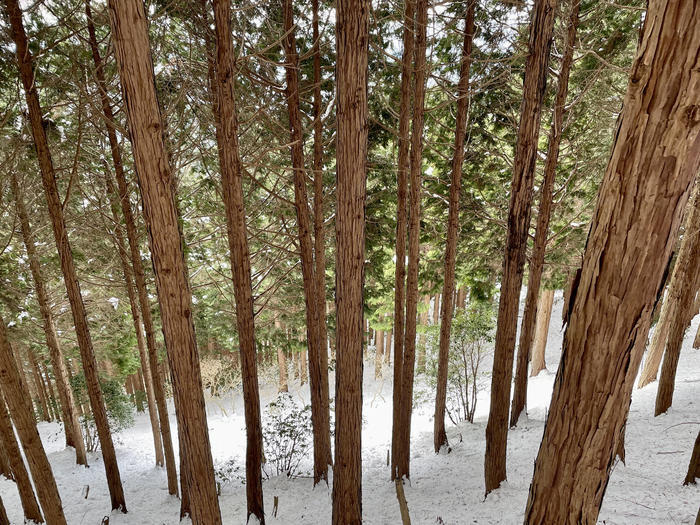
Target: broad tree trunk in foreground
[[401, 226], [19, 471], [352, 39], [26, 69], [694, 465], [137, 265], [527, 327], [544, 315], [541, 26], [230, 166], [320, 410], [130, 36], [15, 393], [684, 312], [416, 157], [646, 185], [439, 435], [673, 306]]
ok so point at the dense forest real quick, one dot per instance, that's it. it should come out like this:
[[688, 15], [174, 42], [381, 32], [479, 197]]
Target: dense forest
[[266, 261]]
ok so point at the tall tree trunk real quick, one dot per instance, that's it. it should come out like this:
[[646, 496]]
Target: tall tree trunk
[[320, 411], [422, 338], [379, 354], [4, 520], [387, 348], [672, 307], [694, 465], [282, 365], [14, 392], [132, 49], [229, 162], [39, 385], [137, 265], [402, 227], [5, 469], [439, 434], [26, 68], [527, 327], [647, 183], [688, 266], [352, 39], [136, 317], [19, 471], [436, 298], [409, 345], [541, 27], [544, 315], [696, 341], [53, 406]]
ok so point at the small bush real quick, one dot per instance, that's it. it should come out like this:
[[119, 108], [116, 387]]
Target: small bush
[[287, 434]]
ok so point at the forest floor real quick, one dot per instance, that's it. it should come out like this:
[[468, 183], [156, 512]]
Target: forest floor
[[445, 489]]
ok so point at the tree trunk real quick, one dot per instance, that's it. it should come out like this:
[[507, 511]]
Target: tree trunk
[[379, 353], [409, 345], [447, 312], [19, 471], [544, 315], [26, 68], [137, 265], [5, 469], [15, 393], [541, 26], [282, 365], [352, 39], [4, 520], [422, 338], [436, 299], [320, 411], [402, 226], [387, 348], [694, 465], [688, 267], [527, 327], [645, 188], [147, 379], [39, 385], [696, 341], [132, 49], [53, 405], [229, 162], [303, 371], [672, 307]]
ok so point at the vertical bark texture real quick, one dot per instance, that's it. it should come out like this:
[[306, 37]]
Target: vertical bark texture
[[26, 69], [541, 27], [230, 166], [646, 185], [544, 314], [694, 465], [439, 434], [401, 226], [379, 353], [352, 39], [527, 327], [19, 472], [4, 520], [15, 393], [320, 410], [132, 49]]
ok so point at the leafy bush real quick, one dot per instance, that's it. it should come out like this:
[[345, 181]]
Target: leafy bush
[[120, 411], [287, 434]]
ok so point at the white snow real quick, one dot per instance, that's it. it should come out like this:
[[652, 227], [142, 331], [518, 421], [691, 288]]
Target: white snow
[[648, 490]]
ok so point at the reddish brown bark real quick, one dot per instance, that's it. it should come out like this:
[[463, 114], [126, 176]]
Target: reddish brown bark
[[541, 26], [694, 465], [544, 315], [646, 185], [26, 69], [379, 353], [439, 435], [527, 327], [352, 39]]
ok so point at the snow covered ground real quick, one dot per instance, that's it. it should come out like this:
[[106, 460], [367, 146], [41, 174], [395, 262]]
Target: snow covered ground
[[445, 488]]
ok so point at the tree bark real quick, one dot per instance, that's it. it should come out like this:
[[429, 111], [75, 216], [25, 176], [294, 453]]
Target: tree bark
[[352, 44], [39, 385], [402, 226], [379, 353], [694, 465], [544, 315], [448, 289], [387, 348], [26, 69], [320, 411], [527, 327], [19, 471], [421, 338], [688, 266], [4, 520], [137, 265], [646, 185], [673, 307], [14, 392], [132, 49], [541, 27], [229, 162]]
